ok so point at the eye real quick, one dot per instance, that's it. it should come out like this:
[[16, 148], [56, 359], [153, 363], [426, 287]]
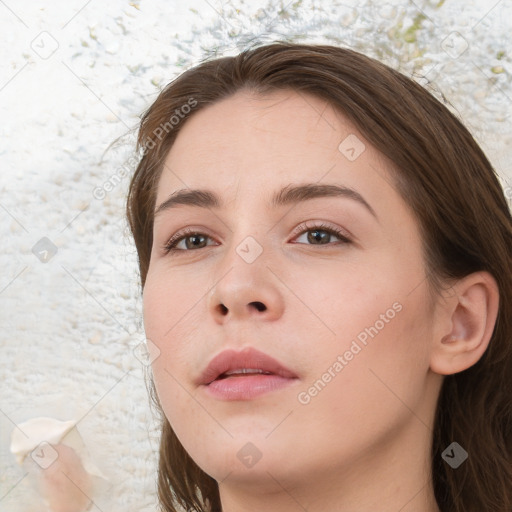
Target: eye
[[192, 239], [196, 238], [322, 233]]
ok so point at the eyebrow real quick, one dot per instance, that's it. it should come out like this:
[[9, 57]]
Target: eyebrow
[[289, 195]]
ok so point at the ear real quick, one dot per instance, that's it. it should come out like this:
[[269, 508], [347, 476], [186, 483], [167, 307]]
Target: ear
[[465, 320]]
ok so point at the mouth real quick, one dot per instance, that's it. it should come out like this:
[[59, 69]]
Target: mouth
[[244, 375], [242, 372]]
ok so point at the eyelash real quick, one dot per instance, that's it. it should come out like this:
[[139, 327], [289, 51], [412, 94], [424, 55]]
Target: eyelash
[[170, 245]]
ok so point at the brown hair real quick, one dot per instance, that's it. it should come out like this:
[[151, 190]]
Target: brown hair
[[465, 222]]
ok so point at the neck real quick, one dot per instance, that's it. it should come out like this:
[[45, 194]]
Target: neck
[[394, 477]]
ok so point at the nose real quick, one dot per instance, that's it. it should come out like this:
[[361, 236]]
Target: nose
[[246, 291]]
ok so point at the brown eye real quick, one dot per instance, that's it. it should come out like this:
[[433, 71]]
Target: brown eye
[[321, 234], [191, 239]]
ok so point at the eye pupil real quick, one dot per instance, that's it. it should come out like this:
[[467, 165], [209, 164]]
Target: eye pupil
[[195, 237], [323, 238]]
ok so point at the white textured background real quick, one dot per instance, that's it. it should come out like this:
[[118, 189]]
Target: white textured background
[[69, 325]]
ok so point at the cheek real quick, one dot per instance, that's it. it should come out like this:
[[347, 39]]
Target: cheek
[[171, 304], [382, 332], [170, 316], [346, 298], [375, 385]]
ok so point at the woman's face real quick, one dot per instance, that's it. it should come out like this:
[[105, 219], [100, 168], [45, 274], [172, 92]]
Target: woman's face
[[345, 314]]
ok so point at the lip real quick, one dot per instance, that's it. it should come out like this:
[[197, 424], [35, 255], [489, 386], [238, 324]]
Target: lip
[[248, 386]]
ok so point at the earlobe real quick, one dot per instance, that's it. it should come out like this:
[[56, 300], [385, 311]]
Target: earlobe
[[466, 322]]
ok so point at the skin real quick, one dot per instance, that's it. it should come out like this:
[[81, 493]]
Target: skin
[[65, 484], [362, 442]]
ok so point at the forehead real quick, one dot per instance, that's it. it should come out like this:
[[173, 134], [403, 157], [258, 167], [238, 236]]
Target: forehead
[[256, 139]]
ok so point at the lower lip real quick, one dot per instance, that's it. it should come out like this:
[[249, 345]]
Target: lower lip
[[246, 387]]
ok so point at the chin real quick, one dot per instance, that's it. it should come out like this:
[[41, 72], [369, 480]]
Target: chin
[[249, 458], [248, 474]]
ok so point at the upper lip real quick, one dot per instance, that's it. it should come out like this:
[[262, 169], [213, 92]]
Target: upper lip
[[229, 360]]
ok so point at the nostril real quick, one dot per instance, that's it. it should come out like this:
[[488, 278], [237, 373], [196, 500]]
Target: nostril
[[223, 309], [259, 306]]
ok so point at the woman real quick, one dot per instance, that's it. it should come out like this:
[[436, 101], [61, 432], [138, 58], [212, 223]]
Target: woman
[[325, 258]]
